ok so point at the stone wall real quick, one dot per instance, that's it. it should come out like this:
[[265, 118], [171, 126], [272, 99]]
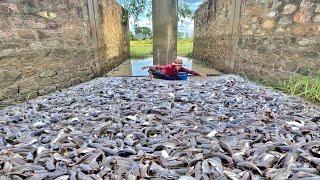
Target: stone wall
[[271, 39], [49, 45], [213, 33], [113, 34]]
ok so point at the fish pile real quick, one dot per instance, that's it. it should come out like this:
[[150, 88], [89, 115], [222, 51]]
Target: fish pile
[[136, 128]]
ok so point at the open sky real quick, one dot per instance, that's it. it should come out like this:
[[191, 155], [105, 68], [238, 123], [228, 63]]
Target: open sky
[[185, 26]]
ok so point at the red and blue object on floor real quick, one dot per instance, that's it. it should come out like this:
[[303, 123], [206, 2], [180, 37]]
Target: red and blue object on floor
[[183, 76], [160, 75]]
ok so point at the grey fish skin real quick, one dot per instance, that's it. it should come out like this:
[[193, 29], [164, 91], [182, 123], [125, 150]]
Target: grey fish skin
[[82, 176], [194, 161], [310, 144], [315, 151], [60, 171], [15, 177], [305, 175], [268, 163], [38, 177], [186, 178], [146, 149], [306, 170], [258, 139], [289, 160], [110, 151], [20, 169], [311, 159], [202, 140], [310, 178], [174, 123], [73, 175], [126, 152], [30, 157], [181, 171], [212, 165], [237, 158], [223, 157], [176, 164], [282, 173], [2, 142], [208, 146], [198, 171], [40, 172], [249, 165], [246, 176], [226, 147], [7, 167], [64, 177], [86, 168], [50, 164], [231, 175]]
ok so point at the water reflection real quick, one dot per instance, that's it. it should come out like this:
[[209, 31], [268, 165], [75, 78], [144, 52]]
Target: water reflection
[[137, 64]]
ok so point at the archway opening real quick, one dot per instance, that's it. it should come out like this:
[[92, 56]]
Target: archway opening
[[160, 31]]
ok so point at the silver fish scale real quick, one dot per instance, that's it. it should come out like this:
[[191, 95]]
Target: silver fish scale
[[127, 128]]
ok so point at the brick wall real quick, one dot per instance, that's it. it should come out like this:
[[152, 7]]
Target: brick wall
[[271, 39], [48, 45]]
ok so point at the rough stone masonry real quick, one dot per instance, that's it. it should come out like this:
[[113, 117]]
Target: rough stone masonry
[[265, 39], [50, 45]]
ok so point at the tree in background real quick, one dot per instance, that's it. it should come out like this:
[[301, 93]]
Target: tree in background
[[180, 35], [184, 10], [137, 7], [143, 32], [132, 37]]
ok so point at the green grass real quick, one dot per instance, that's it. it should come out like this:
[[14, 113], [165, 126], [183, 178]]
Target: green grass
[[143, 48], [185, 47], [307, 87]]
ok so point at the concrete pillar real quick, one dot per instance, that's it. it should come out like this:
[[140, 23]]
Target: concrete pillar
[[165, 25]]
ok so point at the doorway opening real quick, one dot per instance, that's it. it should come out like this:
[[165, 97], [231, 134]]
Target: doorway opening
[[142, 39]]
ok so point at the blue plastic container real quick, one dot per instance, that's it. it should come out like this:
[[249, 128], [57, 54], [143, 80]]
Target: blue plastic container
[[183, 76]]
